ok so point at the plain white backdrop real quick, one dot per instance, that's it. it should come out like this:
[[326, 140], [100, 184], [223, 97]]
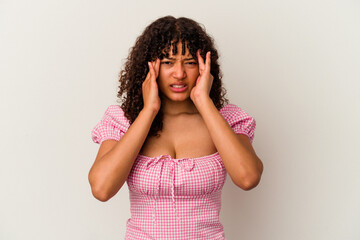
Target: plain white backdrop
[[292, 65]]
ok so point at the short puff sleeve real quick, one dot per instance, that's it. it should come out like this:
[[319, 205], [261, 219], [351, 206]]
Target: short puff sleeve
[[113, 125], [239, 120]]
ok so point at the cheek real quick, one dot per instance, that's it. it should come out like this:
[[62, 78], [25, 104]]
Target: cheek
[[193, 74], [161, 77], [163, 73], [161, 83]]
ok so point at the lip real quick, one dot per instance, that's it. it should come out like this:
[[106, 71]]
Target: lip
[[178, 83], [178, 89]]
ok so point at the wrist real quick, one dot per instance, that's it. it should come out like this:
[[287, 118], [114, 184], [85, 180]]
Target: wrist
[[151, 113], [202, 101]]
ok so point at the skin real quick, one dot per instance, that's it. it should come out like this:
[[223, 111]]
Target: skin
[[178, 68], [190, 119], [236, 151]]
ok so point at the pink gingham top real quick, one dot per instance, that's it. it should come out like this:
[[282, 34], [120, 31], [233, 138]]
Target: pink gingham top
[[174, 198]]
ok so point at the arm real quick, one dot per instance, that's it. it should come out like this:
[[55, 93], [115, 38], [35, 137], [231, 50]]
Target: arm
[[236, 151], [115, 159]]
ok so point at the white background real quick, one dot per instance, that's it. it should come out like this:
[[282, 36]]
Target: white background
[[292, 65]]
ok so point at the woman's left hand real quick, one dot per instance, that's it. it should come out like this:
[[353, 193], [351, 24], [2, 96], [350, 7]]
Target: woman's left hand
[[201, 90]]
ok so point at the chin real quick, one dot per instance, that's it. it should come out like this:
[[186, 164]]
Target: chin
[[179, 97]]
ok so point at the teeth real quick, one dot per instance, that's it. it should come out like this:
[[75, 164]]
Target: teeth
[[178, 86]]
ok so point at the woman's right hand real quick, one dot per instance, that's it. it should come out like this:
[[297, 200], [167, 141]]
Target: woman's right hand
[[150, 88]]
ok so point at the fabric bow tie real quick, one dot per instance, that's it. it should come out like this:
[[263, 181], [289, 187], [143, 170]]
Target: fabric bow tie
[[186, 163]]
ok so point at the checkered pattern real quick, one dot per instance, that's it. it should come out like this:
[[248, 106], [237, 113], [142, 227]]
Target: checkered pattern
[[174, 198]]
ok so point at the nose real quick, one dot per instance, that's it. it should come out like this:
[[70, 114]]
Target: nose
[[179, 71]]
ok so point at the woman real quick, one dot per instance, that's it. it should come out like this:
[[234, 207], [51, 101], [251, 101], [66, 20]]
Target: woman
[[175, 137]]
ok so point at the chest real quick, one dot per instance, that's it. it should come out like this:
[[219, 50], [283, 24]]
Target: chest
[[182, 136], [165, 176]]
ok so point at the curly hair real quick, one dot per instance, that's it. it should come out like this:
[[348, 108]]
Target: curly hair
[[156, 42]]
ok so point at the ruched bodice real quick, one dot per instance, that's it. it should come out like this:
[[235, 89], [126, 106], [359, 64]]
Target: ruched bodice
[[166, 192], [174, 198]]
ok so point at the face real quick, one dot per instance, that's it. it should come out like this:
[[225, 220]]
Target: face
[[177, 75]]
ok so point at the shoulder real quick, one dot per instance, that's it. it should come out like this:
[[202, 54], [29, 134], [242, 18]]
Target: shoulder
[[231, 110], [115, 110], [239, 120], [116, 113], [112, 125]]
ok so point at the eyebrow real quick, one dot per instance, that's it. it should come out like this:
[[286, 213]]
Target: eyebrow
[[170, 58]]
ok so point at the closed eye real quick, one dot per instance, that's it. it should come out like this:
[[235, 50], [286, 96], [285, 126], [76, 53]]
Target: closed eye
[[170, 62]]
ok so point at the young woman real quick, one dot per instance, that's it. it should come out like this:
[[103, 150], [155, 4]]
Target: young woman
[[175, 137]]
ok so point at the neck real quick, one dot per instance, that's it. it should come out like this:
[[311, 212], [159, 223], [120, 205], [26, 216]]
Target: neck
[[176, 107]]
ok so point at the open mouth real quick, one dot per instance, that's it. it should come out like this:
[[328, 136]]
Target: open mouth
[[178, 87]]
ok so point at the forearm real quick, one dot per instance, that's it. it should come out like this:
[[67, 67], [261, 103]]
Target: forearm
[[110, 171], [240, 160]]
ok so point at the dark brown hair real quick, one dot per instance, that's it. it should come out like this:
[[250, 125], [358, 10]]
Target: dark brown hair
[[155, 42]]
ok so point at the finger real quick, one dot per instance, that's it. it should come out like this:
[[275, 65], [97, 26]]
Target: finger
[[151, 69], [154, 64], [200, 61], [208, 61], [157, 67], [150, 72]]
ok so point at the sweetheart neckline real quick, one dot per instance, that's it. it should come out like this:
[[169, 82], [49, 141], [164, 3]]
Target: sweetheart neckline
[[206, 156]]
